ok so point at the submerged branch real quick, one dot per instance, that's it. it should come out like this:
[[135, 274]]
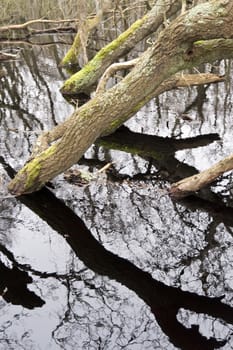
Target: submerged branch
[[5, 56]]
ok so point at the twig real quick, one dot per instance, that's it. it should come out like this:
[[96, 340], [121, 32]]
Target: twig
[[104, 168]]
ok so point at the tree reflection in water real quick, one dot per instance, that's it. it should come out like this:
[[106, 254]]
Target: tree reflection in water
[[13, 286], [164, 301]]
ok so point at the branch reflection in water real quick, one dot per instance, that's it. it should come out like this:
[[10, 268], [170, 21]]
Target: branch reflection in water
[[13, 287], [164, 301]]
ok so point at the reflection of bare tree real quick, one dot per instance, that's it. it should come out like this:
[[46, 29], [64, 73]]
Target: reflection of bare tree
[[161, 151], [12, 103], [197, 249], [33, 65], [153, 146], [199, 100], [23, 97], [163, 300], [13, 99]]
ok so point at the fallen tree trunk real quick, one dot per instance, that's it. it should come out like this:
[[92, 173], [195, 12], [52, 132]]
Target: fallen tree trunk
[[24, 31], [179, 46], [79, 44], [178, 80]]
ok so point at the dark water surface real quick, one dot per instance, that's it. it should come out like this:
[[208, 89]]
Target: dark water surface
[[116, 263]]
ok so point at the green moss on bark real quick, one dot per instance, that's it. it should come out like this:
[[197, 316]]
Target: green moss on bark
[[83, 80], [27, 179], [71, 56]]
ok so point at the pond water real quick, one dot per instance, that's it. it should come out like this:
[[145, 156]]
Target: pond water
[[115, 263]]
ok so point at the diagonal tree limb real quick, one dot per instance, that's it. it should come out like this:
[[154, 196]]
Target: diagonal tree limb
[[178, 47], [178, 80]]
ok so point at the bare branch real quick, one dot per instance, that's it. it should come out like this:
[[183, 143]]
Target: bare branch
[[111, 70], [194, 183], [35, 21]]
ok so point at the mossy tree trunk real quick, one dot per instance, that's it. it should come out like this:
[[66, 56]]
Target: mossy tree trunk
[[200, 35], [84, 81]]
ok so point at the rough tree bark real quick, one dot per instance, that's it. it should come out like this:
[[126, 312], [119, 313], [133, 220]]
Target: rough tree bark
[[177, 80], [202, 34]]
